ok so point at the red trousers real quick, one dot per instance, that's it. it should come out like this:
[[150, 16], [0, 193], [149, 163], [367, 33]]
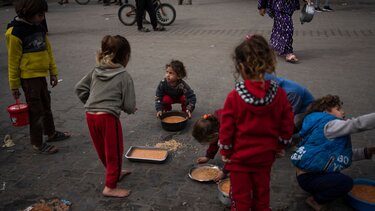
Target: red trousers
[[168, 101], [250, 191], [106, 134]]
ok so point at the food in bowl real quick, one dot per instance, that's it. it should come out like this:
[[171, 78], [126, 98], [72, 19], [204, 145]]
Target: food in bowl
[[364, 192], [173, 119], [148, 154], [223, 192], [224, 186], [205, 173]]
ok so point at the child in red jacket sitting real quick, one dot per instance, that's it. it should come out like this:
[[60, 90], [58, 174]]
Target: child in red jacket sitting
[[256, 119]]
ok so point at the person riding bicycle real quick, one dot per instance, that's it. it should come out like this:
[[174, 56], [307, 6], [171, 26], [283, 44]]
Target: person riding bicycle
[[142, 6]]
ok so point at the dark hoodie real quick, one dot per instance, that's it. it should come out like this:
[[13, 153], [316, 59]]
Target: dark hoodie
[[107, 90], [253, 121]]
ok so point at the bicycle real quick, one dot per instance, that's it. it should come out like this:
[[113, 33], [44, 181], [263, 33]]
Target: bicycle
[[165, 13]]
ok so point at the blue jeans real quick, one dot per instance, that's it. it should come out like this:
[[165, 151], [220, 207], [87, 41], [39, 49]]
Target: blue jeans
[[325, 187]]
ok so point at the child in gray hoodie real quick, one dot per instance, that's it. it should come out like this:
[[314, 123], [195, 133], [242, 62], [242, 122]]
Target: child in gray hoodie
[[106, 91]]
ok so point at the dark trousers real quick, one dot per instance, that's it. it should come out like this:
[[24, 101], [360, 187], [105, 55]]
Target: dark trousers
[[325, 187], [40, 114], [147, 5], [106, 134]]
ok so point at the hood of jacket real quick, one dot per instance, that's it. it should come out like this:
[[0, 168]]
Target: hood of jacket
[[104, 73], [18, 22], [260, 96], [314, 120]]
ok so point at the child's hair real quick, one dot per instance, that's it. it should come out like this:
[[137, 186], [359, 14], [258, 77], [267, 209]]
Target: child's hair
[[115, 49], [206, 128], [178, 67], [26, 9], [255, 55], [325, 103]]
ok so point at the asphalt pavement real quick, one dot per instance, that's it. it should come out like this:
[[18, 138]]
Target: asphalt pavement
[[336, 52]]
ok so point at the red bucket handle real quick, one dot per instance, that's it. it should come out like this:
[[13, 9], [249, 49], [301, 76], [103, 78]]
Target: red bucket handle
[[17, 103]]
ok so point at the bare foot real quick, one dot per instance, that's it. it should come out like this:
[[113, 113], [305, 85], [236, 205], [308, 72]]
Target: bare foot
[[311, 201], [124, 173], [116, 192]]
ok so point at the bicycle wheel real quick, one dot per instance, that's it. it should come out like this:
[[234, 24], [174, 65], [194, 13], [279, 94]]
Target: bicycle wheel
[[165, 14], [82, 2], [127, 14]]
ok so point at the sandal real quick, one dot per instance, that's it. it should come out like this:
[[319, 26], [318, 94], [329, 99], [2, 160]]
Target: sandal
[[45, 149], [144, 29], [160, 28], [59, 136], [291, 58]]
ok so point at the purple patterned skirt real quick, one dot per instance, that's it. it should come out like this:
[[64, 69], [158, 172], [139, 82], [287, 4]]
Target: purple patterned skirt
[[282, 33]]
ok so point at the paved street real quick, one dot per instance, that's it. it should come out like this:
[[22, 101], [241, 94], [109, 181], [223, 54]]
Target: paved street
[[336, 51]]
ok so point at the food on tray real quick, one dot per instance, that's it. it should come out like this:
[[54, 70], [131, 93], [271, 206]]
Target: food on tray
[[153, 154], [224, 186], [364, 193], [173, 119], [205, 173]]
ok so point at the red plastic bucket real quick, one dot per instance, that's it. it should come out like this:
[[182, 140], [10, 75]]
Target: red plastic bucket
[[19, 114]]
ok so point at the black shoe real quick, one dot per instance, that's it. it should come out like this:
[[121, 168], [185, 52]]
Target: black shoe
[[318, 9], [327, 9], [144, 29]]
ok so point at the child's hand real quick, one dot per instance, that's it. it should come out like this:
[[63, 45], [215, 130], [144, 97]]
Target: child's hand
[[188, 113], [225, 159], [262, 11], [203, 160], [53, 80], [280, 153], [220, 176], [16, 93], [158, 114]]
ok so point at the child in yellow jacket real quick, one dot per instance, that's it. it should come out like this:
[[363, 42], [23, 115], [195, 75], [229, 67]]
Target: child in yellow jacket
[[30, 61]]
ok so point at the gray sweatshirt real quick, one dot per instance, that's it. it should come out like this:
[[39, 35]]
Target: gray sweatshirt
[[107, 90], [342, 127]]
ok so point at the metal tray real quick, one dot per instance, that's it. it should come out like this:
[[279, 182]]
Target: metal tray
[[203, 166], [130, 157]]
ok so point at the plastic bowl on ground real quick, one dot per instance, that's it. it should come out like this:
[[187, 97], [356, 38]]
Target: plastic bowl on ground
[[359, 203], [174, 120]]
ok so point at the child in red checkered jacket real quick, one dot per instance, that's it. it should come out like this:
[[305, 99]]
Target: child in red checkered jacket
[[256, 119]]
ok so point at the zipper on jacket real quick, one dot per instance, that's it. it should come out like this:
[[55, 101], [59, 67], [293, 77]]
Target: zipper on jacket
[[329, 163]]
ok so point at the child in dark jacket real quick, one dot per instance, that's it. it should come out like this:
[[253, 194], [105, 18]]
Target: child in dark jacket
[[172, 89], [206, 131], [326, 149], [106, 91], [256, 119]]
